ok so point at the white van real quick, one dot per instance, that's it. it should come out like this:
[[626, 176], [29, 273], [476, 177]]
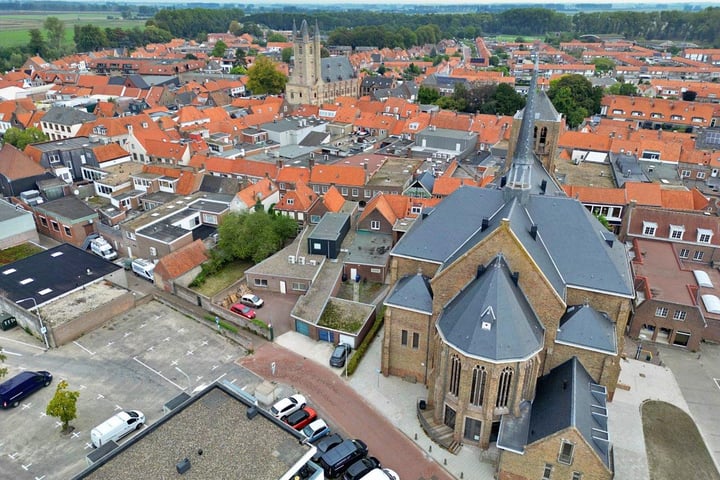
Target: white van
[[116, 427], [143, 268], [100, 246]]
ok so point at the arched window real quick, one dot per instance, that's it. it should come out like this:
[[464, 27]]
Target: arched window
[[529, 380], [477, 393], [535, 132], [454, 375], [543, 135], [504, 387]]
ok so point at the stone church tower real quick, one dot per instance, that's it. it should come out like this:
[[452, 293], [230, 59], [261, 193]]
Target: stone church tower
[[315, 80]]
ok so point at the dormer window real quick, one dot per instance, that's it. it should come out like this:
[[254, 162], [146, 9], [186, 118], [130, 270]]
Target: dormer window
[[704, 235], [677, 231], [649, 229]]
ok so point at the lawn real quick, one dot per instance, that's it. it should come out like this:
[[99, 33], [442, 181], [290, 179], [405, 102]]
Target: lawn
[[230, 274], [674, 445], [18, 252], [15, 26]]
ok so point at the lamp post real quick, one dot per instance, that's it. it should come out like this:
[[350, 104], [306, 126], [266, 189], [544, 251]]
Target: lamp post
[[186, 376], [43, 330]]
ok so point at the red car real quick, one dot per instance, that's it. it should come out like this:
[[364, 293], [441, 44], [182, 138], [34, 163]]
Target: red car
[[302, 418], [243, 310]]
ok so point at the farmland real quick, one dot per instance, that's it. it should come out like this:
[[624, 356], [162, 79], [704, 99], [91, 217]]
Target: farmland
[[15, 26]]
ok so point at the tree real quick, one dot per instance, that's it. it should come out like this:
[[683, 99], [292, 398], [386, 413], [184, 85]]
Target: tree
[[89, 38], [286, 54], [575, 97], [427, 95], [3, 370], [277, 37], [622, 88], [22, 138], [55, 31], [240, 57], [254, 236], [219, 49], [263, 77], [63, 405], [603, 65], [36, 45], [504, 101], [238, 70]]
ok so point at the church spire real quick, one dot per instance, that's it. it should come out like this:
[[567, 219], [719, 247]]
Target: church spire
[[294, 35], [519, 176], [304, 31]]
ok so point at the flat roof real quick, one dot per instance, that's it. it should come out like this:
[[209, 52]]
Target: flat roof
[[329, 226], [51, 274], [9, 211], [214, 421]]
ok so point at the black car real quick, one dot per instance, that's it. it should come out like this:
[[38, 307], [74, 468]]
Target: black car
[[339, 458], [325, 444], [361, 468], [340, 355]]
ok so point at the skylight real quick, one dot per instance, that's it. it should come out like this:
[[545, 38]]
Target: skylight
[[9, 271], [45, 291], [56, 254], [26, 281]]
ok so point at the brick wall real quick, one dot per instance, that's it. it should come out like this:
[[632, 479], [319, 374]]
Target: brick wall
[[405, 361], [75, 328]]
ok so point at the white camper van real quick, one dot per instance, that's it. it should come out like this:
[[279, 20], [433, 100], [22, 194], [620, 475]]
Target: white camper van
[[116, 427], [143, 268], [100, 246]]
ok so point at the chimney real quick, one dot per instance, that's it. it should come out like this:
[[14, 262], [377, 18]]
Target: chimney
[[311, 163], [543, 186], [503, 181], [279, 163], [485, 224], [533, 231]]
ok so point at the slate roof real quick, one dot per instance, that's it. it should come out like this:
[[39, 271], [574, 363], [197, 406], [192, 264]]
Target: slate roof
[[491, 318], [585, 327], [412, 292], [565, 398], [51, 274], [335, 69], [67, 116]]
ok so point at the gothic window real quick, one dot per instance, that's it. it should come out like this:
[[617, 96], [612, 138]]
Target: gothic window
[[503, 395], [454, 375], [543, 135], [529, 380], [477, 392]]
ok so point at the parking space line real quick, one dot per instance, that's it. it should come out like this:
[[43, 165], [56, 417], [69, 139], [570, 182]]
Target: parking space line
[[7, 339], [8, 352], [717, 382], [25, 467], [88, 351], [156, 372]]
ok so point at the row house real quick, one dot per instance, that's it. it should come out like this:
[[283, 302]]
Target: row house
[[656, 113], [292, 131], [65, 158], [66, 219], [702, 91], [18, 172], [61, 123], [307, 207], [172, 180], [263, 194], [350, 180], [701, 168], [245, 171], [704, 55]]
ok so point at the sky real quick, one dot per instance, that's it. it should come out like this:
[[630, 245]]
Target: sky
[[618, 4]]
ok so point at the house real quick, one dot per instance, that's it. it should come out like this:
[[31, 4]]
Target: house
[[296, 203], [328, 235], [348, 179], [264, 193], [18, 172], [180, 267], [486, 290], [66, 219], [60, 123], [17, 226], [444, 144]]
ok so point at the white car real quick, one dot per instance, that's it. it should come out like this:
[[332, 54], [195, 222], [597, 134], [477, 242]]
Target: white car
[[315, 430], [252, 300], [286, 406], [381, 474]]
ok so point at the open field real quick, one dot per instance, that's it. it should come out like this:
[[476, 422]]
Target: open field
[[15, 26]]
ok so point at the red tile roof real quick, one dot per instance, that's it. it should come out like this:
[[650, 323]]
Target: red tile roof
[[182, 260]]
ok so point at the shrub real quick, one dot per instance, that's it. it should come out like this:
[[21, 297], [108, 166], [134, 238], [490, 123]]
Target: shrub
[[354, 360]]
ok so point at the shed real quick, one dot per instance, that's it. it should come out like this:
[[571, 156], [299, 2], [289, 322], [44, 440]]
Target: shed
[[328, 235]]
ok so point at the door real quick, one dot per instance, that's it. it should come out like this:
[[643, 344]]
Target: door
[[353, 274], [283, 287], [302, 327], [449, 417]]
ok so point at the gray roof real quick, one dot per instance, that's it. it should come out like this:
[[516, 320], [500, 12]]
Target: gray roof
[[412, 292], [334, 69], [376, 81], [330, 226], [545, 110], [70, 208], [67, 116], [626, 168], [314, 139], [9, 211], [491, 318], [565, 398], [584, 326]]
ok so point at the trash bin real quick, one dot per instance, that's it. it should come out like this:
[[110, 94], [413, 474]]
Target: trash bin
[[422, 405], [7, 321]]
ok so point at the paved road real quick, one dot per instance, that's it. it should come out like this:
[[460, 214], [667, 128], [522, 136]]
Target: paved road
[[344, 407]]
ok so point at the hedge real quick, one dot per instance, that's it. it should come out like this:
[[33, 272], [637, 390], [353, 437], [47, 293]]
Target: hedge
[[354, 360]]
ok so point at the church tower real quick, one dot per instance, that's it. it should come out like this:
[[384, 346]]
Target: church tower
[[305, 79]]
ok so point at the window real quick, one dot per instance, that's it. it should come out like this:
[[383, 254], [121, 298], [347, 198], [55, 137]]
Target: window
[[698, 255], [661, 312], [368, 193], [261, 282], [680, 315], [477, 388], [700, 175], [685, 173], [704, 235], [649, 228], [67, 230], [290, 201], [211, 219], [454, 375], [676, 232], [299, 287], [547, 471], [374, 224], [43, 221], [416, 340], [355, 192], [344, 191], [566, 452], [472, 429], [684, 253], [153, 252], [54, 158], [404, 338], [55, 225], [416, 209], [130, 235], [504, 387]]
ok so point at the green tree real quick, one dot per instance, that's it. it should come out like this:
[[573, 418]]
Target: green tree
[[622, 88], [427, 95], [238, 70], [55, 31], [22, 138], [3, 370], [504, 101], [254, 235], [89, 38], [286, 54], [575, 97], [36, 45], [603, 65], [263, 77], [240, 57], [63, 405], [276, 37], [219, 49]]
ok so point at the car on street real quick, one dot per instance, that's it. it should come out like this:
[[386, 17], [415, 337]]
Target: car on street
[[362, 467], [243, 310], [315, 430], [22, 385], [252, 300], [340, 355], [381, 474], [301, 418], [288, 405], [326, 444]]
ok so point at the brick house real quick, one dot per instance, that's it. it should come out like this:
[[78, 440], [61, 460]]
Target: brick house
[[66, 219]]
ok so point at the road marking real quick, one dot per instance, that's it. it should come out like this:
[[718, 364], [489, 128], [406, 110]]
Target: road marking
[[166, 339], [75, 434], [109, 344], [82, 387], [198, 378], [8, 352], [25, 467], [717, 382], [58, 424], [88, 351], [182, 330], [118, 407], [189, 352], [157, 372], [142, 326], [6, 339], [173, 363], [228, 357], [204, 343], [214, 367], [40, 478], [88, 445], [14, 455], [43, 414], [26, 406], [220, 378], [100, 396], [150, 349], [127, 334]]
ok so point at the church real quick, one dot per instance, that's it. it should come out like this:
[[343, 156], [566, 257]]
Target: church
[[315, 80], [509, 303]]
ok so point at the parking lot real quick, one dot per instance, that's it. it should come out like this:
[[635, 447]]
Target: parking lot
[[139, 361]]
